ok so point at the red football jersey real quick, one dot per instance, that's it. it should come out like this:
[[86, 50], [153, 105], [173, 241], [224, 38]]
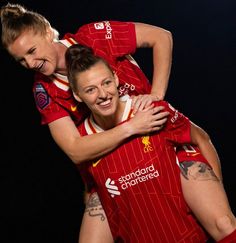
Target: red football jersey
[[139, 185], [112, 40]]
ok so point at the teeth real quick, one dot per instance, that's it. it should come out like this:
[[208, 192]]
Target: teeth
[[40, 66], [105, 102]]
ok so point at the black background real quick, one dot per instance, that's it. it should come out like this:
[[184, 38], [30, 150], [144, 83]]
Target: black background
[[41, 191]]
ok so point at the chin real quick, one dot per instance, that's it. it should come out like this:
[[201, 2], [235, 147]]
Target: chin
[[48, 72], [106, 113]]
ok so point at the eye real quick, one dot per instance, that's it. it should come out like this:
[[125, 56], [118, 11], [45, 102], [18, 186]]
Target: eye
[[107, 83], [90, 90], [31, 51]]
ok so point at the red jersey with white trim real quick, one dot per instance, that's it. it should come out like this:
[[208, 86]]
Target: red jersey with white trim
[[112, 40], [139, 184]]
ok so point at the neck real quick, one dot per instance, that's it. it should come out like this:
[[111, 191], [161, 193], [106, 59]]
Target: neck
[[108, 122], [61, 65]]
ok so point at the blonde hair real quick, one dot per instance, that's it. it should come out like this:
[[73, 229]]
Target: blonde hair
[[16, 19]]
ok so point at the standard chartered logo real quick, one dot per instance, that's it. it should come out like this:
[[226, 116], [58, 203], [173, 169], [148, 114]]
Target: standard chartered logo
[[111, 187], [131, 179]]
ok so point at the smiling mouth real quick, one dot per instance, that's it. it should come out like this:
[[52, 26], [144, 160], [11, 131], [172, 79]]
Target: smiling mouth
[[40, 66], [105, 102]]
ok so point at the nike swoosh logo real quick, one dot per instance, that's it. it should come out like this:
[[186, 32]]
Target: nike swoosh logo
[[96, 163], [73, 108]]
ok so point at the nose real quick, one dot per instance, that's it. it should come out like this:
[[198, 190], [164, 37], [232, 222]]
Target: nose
[[102, 93]]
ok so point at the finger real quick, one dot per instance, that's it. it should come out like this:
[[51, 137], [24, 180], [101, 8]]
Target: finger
[[136, 105], [142, 105], [157, 128], [158, 109], [148, 103], [149, 108], [159, 123], [161, 115]]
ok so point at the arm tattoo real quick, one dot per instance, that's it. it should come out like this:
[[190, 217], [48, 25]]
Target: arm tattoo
[[94, 207], [197, 170]]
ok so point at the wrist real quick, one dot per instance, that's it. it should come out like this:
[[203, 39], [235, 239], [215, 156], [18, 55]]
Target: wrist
[[158, 95], [128, 129]]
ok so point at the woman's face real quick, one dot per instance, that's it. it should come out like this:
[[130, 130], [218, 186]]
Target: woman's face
[[35, 51], [97, 87]]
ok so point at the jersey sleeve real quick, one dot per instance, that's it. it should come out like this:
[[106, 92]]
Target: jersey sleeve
[[48, 109], [189, 152], [113, 37], [54, 103], [177, 127]]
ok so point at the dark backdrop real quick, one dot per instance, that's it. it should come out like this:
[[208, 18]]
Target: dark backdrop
[[41, 191]]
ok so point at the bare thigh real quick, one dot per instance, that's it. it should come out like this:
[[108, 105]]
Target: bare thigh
[[205, 195]]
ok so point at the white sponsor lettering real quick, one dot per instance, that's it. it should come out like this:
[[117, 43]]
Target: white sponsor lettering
[[175, 117], [108, 29], [125, 89], [132, 179]]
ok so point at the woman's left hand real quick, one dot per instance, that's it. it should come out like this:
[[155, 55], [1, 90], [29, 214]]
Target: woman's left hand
[[141, 102]]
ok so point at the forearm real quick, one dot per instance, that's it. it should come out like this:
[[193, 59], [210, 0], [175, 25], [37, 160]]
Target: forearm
[[94, 146], [162, 60], [80, 149], [160, 40]]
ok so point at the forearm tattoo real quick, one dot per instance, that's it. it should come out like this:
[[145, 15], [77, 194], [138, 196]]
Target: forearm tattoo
[[197, 170], [94, 207]]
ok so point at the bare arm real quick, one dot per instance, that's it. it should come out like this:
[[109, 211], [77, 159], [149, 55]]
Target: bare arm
[[203, 141], [161, 41], [81, 149]]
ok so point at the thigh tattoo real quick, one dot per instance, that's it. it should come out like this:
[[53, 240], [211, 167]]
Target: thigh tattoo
[[197, 170], [94, 207]]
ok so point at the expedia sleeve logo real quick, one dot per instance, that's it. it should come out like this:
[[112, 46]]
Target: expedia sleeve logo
[[175, 117], [104, 25], [99, 26]]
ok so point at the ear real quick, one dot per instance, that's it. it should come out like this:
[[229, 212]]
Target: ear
[[50, 34], [77, 97], [116, 80]]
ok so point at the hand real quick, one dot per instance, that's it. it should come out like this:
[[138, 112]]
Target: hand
[[141, 102], [148, 120]]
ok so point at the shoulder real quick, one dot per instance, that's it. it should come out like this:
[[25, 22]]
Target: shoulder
[[106, 25], [42, 84], [39, 77]]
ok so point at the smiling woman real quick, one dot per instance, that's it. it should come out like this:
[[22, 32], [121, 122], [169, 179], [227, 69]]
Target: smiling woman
[[31, 40], [36, 51], [144, 169], [113, 40], [97, 86]]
